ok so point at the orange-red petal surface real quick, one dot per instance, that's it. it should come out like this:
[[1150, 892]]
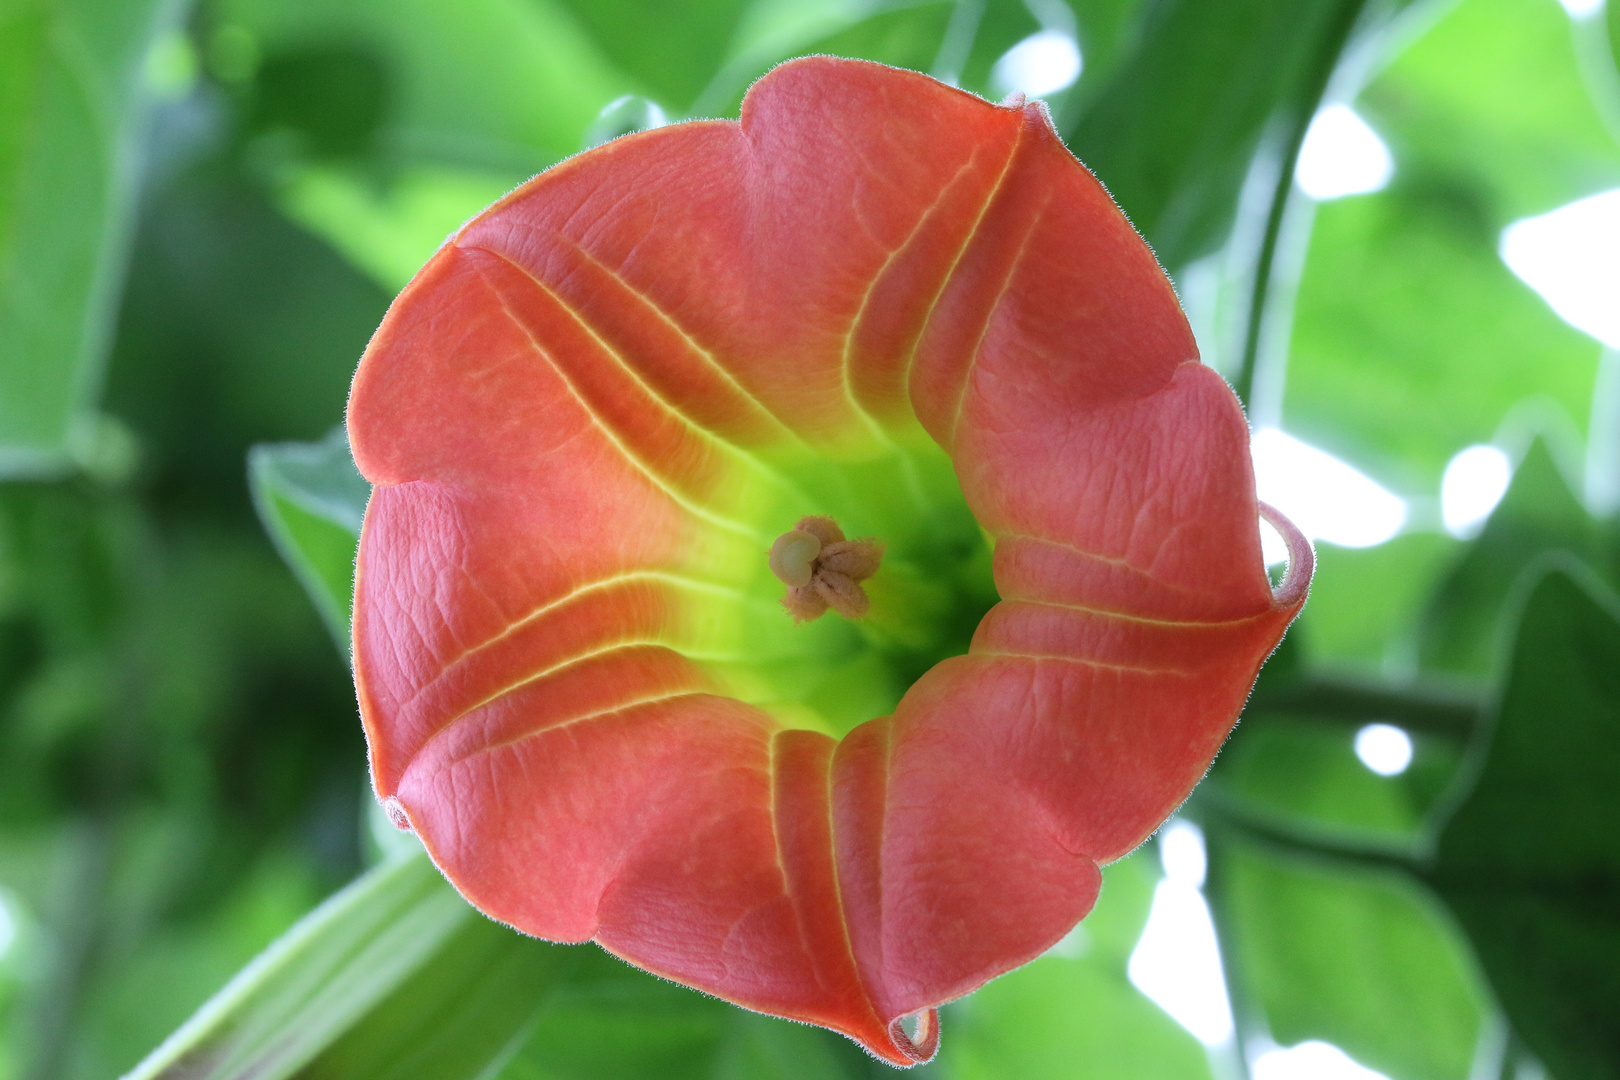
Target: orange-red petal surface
[[573, 416]]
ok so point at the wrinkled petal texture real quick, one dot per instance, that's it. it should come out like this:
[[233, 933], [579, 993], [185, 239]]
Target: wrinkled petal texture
[[561, 413]]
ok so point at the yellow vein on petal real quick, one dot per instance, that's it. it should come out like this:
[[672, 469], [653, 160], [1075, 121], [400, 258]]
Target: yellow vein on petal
[[838, 887], [720, 441], [575, 661], [961, 252], [776, 832], [692, 343], [1112, 560], [1084, 661], [984, 327], [1107, 560], [866, 298], [571, 721], [684, 502], [832, 856], [1145, 620], [523, 621], [883, 817]]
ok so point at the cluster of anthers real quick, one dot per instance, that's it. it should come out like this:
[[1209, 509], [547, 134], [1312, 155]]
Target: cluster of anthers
[[823, 570]]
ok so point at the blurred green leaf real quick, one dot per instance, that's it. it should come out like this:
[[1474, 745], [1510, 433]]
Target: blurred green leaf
[[981, 32], [1404, 303], [330, 99], [674, 49], [1463, 628], [312, 501], [75, 83], [160, 977], [613, 1022], [1362, 960], [1306, 771], [1342, 630], [159, 698], [1109, 31], [388, 222], [351, 953], [397, 976], [906, 32], [955, 40], [1105, 30], [1175, 131], [907, 37], [502, 85], [1494, 92], [1444, 709], [1530, 859], [238, 327], [1291, 762], [387, 228], [1405, 300], [1613, 12], [460, 1016], [1073, 1014]]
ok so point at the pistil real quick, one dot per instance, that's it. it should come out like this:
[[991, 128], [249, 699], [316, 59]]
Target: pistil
[[824, 570]]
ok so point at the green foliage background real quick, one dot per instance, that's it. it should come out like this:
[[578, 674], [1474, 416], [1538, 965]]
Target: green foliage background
[[204, 210]]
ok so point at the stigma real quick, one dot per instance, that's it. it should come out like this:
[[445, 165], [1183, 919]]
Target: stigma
[[823, 570]]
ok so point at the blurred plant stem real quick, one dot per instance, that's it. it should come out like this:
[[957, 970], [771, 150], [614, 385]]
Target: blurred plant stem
[[1226, 818], [1599, 67], [1248, 1020], [1431, 708], [1603, 438], [957, 43], [110, 552], [1287, 215], [78, 939]]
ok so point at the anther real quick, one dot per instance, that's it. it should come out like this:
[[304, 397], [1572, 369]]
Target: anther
[[823, 570]]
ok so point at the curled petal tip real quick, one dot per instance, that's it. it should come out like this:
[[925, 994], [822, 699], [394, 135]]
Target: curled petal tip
[[396, 814], [922, 1043], [1290, 592]]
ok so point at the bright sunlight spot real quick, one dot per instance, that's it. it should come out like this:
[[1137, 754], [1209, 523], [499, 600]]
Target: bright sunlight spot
[[1272, 545], [1383, 748], [1327, 498], [1181, 851], [622, 116], [1073, 945], [1580, 9], [1342, 156], [1177, 962], [1311, 1061], [1041, 64], [1571, 256], [171, 67], [8, 927], [1474, 482]]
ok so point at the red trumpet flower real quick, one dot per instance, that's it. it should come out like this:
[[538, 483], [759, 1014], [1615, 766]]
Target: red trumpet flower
[[880, 351]]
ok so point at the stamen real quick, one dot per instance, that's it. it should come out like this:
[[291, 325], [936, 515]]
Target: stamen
[[823, 570]]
